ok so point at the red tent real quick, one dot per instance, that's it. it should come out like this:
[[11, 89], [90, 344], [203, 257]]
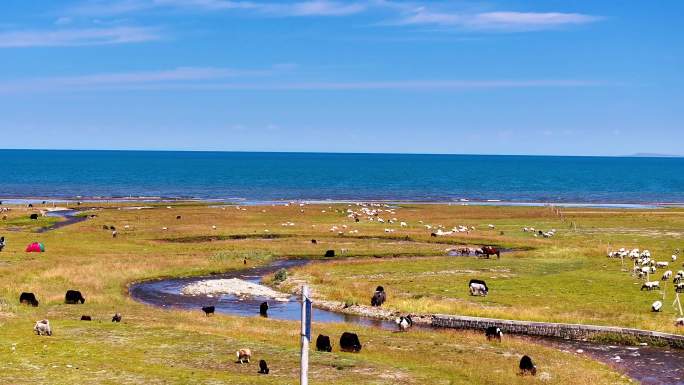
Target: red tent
[[35, 247]]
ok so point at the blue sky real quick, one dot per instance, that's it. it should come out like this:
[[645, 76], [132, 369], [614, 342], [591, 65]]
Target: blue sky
[[514, 77]]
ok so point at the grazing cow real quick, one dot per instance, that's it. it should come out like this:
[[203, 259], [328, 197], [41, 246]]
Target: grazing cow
[[527, 366], [493, 332], [379, 297], [349, 342], [73, 297], [2, 243], [323, 343], [209, 309], [28, 299], [330, 254], [404, 322], [86, 318], [488, 251], [478, 287], [116, 317], [263, 367], [34, 216], [243, 355], [42, 328], [313, 241], [263, 309], [656, 306]]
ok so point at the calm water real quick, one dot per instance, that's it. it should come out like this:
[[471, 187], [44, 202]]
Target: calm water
[[312, 176]]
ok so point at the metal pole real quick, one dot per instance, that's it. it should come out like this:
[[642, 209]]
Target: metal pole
[[304, 363]]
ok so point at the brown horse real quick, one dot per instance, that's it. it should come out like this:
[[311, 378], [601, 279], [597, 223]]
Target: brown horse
[[488, 251]]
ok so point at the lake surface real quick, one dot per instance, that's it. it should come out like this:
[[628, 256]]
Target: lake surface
[[265, 177]]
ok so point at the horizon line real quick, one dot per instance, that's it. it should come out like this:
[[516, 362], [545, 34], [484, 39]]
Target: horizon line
[[634, 155]]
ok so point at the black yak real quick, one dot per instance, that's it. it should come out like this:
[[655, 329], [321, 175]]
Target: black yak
[[86, 318], [263, 309], [208, 309], [263, 367], [73, 297], [349, 342], [34, 216], [493, 332], [379, 297], [527, 366], [116, 317], [313, 241], [28, 299], [330, 254], [323, 343]]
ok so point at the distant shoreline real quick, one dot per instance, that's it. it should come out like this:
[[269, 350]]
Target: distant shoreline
[[249, 202]]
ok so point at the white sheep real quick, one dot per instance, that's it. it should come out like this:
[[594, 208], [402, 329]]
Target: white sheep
[[667, 275], [42, 327], [650, 285], [657, 305]]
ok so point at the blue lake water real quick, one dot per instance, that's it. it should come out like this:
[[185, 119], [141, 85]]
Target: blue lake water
[[257, 176]]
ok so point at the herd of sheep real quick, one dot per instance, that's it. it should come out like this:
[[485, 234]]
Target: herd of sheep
[[644, 264]]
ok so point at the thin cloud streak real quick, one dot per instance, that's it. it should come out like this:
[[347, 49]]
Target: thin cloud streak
[[204, 79], [77, 37], [496, 20], [298, 8], [131, 79], [408, 85], [399, 13]]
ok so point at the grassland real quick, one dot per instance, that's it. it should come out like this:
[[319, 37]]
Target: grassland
[[154, 345]]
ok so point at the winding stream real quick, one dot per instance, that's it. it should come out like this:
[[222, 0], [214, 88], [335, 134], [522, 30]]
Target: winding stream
[[649, 365], [70, 217]]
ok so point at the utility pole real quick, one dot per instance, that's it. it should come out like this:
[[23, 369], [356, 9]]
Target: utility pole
[[305, 336]]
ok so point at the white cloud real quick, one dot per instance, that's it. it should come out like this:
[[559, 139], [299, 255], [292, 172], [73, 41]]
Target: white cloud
[[214, 79], [63, 21], [404, 85], [77, 37], [297, 8], [494, 20], [128, 79], [404, 13]]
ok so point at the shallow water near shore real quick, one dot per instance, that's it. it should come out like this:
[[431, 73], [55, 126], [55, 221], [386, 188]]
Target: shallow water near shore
[[649, 365]]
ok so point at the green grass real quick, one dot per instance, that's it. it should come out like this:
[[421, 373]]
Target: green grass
[[183, 347]]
